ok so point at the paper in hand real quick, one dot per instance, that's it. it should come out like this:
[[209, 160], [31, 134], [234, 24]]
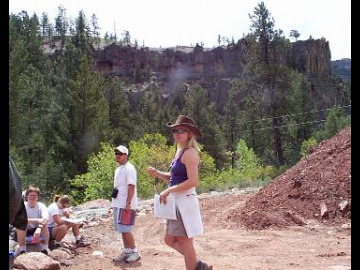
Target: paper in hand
[[73, 220], [166, 211]]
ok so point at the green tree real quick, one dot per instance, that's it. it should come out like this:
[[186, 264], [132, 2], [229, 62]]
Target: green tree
[[62, 25], [126, 37], [82, 35], [88, 112], [120, 122], [306, 144], [270, 85], [95, 30], [150, 150], [295, 34], [198, 106], [336, 119]]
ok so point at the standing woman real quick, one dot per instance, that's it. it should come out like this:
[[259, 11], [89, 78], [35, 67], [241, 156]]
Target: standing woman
[[182, 181]]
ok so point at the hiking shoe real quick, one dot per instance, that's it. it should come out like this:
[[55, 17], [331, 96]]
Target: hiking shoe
[[45, 251], [203, 266], [133, 257], [121, 258], [53, 245], [82, 243]]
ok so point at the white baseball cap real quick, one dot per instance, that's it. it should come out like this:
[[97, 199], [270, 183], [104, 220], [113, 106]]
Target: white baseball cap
[[122, 149]]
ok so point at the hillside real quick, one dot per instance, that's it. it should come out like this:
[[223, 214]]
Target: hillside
[[317, 187]]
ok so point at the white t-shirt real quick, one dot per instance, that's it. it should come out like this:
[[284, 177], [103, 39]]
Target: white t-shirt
[[123, 176], [39, 211], [53, 209]]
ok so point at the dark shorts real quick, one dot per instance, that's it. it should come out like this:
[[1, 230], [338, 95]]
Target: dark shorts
[[29, 235], [176, 227], [50, 233], [30, 231]]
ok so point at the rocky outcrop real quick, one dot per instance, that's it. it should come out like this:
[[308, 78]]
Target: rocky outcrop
[[311, 57]]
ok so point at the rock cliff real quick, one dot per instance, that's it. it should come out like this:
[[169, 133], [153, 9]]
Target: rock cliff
[[311, 57]]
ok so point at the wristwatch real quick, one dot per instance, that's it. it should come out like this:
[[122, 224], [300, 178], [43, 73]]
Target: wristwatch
[[128, 203]]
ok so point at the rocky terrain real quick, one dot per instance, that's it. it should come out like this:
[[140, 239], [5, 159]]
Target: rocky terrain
[[300, 220]]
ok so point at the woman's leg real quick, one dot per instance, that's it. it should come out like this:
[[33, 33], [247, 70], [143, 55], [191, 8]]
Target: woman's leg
[[76, 229], [184, 246], [59, 232]]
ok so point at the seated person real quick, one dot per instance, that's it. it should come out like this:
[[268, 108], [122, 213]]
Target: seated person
[[57, 227], [37, 222]]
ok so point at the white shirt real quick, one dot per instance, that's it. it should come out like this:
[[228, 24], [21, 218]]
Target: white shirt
[[123, 176], [39, 211], [53, 209]]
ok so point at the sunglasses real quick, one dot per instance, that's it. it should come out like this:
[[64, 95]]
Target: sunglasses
[[179, 130], [119, 154]]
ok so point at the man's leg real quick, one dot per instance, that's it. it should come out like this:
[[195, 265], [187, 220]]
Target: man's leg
[[129, 244], [45, 233], [21, 239], [45, 242], [128, 240]]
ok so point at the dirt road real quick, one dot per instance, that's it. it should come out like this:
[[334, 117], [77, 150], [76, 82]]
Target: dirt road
[[224, 245]]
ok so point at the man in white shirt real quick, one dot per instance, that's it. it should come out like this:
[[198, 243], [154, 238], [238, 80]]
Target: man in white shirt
[[37, 229], [124, 200]]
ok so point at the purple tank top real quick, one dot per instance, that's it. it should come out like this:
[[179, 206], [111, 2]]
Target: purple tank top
[[178, 172]]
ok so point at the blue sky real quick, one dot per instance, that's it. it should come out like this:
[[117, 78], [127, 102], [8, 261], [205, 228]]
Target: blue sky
[[167, 23]]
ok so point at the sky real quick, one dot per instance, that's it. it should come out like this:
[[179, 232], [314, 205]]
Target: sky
[[169, 23]]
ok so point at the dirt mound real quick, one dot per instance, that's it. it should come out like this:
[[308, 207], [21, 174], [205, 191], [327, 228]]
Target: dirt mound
[[317, 187]]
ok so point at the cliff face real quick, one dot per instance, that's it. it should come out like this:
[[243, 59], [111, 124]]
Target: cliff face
[[342, 68], [311, 57]]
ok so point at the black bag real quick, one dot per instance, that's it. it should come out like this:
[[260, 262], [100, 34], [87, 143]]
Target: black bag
[[114, 193]]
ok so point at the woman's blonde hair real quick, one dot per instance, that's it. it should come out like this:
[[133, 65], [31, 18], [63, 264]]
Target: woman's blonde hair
[[192, 142], [64, 199]]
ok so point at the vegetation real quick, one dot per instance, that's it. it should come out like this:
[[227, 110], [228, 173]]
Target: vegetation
[[65, 118]]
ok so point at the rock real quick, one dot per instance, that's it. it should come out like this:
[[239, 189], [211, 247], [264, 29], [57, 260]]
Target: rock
[[98, 253], [343, 204], [35, 261], [323, 209]]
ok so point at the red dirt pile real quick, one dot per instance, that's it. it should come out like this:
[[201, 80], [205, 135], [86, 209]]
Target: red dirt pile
[[317, 187]]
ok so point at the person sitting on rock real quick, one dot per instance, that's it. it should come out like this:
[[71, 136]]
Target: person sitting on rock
[[37, 222], [58, 227]]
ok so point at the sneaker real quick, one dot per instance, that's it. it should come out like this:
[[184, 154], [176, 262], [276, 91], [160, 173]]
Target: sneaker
[[133, 257], [19, 252], [203, 266], [53, 245], [121, 258], [45, 251], [82, 243]]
